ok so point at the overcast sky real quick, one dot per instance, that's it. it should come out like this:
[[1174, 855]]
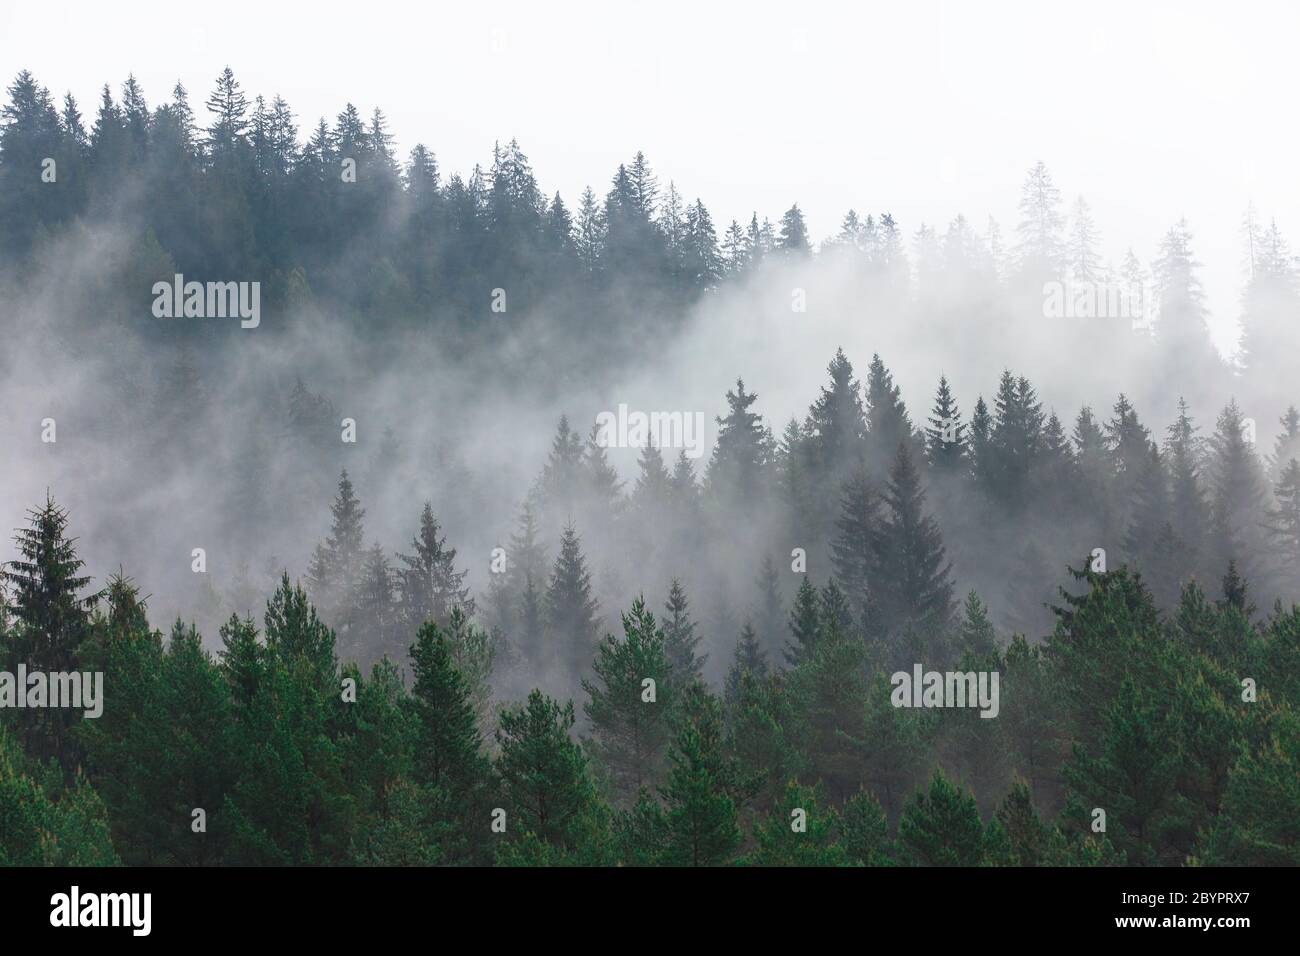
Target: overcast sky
[[1152, 111]]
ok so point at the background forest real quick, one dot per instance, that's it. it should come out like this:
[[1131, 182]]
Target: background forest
[[353, 678]]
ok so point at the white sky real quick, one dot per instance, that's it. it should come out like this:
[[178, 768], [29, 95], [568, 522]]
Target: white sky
[[1151, 110]]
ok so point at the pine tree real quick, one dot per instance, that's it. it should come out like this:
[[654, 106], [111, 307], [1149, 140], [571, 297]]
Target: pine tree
[[546, 787], [630, 733], [448, 746], [942, 826], [864, 830], [699, 802], [813, 844]]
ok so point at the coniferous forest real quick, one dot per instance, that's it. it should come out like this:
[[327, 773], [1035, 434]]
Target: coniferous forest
[[369, 583]]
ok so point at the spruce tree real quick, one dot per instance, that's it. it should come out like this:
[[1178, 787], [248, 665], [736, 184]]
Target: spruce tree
[[699, 796], [911, 569], [851, 550], [571, 611], [48, 618], [941, 827], [749, 658], [546, 786], [680, 639], [945, 438], [429, 584], [805, 623], [448, 745]]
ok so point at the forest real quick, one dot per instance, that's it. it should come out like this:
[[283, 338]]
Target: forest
[[368, 585]]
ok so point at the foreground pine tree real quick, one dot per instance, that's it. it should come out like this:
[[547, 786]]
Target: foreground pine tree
[[553, 814], [631, 721]]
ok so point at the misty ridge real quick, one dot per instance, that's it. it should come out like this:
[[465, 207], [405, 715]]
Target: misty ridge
[[909, 444]]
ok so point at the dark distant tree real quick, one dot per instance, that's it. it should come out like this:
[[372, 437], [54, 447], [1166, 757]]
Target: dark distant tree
[[1057, 475], [680, 640], [1129, 443], [793, 238], [229, 109], [702, 261], [1015, 441], [978, 636], [749, 658], [335, 569], [428, 583], [738, 467], [771, 614], [1237, 494], [978, 451], [653, 490], [601, 477], [374, 627], [945, 439], [1094, 469], [570, 608], [839, 425], [888, 423], [805, 623], [562, 474], [912, 583], [851, 550], [835, 608], [1284, 520]]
